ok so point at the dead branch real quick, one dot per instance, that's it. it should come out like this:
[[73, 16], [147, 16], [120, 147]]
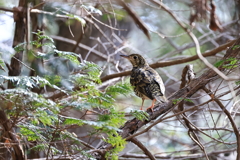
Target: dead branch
[[136, 19]]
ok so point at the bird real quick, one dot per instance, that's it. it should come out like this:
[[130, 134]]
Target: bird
[[146, 82]]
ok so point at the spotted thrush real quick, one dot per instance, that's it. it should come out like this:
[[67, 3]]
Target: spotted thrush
[[146, 81]]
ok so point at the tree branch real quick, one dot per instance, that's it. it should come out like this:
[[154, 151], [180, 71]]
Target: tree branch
[[194, 156], [195, 40], [143, 148], [235, 128], [175, 62], [196, 84]]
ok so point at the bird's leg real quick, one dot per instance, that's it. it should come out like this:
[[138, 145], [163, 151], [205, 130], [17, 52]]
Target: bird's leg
[[151, 107], [142, 104]]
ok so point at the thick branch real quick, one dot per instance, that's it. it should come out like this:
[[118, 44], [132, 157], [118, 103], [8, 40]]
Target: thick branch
[[136, 19]]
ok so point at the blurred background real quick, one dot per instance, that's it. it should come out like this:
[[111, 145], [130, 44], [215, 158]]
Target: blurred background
[[99, 31]]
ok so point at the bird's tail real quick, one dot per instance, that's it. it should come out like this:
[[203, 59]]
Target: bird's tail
[[161, 99]]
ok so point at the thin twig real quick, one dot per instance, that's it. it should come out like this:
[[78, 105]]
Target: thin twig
[[195, 40], [23, 63], [234, 126], [181, 157], [143, 148]]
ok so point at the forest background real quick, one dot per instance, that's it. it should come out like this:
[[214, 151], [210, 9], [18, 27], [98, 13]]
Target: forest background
[[65, 91]]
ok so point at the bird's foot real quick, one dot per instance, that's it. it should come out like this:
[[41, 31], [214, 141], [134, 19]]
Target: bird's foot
[[151, 107]]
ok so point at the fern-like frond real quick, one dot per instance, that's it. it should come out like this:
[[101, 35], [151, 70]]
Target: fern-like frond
[[120, 88], [73, 57], [27, 82]]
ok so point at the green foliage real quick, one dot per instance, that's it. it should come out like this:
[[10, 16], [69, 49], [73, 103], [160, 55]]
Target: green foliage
[[140, 115], [46, 41], [175, 101], [236, 47], [229, 63], [27, 82], [89, 97], [44, 122], [237, 83], [107, 124], [19, 47], [219, 63], [124, 89], [112, 119], [2, 64], [92, 71], [29, 100], [53, 79], [117, 142], [32, 134], [73, 57], [38, 43], [40, 147], [188, 100]]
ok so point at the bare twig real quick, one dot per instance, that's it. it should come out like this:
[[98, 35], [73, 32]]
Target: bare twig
[[187, 77], [193, 37], [162, 119], [70, 41], [143, 148], [222, 75], [234, 126], [164, 156], [136, 19]]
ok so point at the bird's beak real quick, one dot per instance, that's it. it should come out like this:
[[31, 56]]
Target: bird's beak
[[124, 56]]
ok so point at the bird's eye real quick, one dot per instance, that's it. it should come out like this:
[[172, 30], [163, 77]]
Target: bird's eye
[[135, 57]]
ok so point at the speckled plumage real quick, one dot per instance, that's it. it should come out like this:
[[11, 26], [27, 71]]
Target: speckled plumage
[[146, 81]]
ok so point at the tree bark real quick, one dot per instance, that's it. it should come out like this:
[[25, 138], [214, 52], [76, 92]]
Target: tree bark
[[17, 152], [19, 35]]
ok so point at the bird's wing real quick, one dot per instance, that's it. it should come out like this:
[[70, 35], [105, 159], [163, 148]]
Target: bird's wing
[[159, 81], [148, 82], [140, 77], [157, 87], [141, 80]]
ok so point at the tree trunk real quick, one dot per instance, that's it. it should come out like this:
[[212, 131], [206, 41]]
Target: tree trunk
[[9, 134]]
